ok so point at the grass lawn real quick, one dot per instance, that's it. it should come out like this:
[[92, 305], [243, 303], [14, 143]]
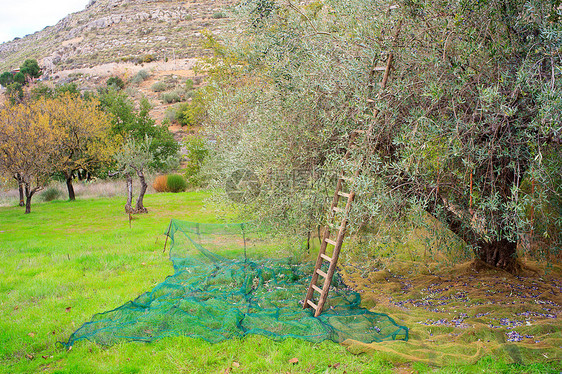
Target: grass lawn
[[66, 261]]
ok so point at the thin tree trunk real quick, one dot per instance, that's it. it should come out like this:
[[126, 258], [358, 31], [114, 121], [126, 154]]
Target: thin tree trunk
[[139, 208], [28, 195], [20, 188], [128, 206], [68, 176]]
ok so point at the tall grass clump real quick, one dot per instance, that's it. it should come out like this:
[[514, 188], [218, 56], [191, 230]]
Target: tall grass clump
[[160, 183], [176, 183]]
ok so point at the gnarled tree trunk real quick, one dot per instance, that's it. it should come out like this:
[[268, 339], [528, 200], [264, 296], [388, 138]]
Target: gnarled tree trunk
[[139, 208], [128, 206], [499, 253], [20, 188], [28, 195], [68, 177]]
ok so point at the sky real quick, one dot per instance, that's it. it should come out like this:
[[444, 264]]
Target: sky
[[21, 17]]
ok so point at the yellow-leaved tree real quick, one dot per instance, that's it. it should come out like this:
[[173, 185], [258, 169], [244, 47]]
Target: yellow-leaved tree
[[85, 141], [41, 137], [28, 145]]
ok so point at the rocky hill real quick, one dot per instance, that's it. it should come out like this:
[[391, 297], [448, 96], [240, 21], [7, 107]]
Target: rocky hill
[[120, 31], [124, 38]]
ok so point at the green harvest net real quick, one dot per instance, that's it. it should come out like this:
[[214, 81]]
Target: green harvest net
[[224, 288]]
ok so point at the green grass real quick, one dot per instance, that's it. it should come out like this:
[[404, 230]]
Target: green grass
[[66, 261]]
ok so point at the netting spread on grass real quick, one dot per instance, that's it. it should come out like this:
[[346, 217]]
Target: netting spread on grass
[[225, 286]]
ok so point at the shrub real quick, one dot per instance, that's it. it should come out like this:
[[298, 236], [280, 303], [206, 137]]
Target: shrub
[[171, 114], [160, 183], [218, 15], [6, 78], [50, 194], [140, 77], [148, 58], [115, 82], [176, 183], [19, 78], [175, 96], [191, 114], [159, 87]]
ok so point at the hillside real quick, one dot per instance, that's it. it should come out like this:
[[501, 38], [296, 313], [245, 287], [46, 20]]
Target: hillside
[[121, 38], [119, 31]]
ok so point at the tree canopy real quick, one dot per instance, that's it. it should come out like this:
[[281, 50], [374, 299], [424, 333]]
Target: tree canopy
[[30, 68], [469, 114], [28, 145], [85, 142], [136, 124], [48, 135]]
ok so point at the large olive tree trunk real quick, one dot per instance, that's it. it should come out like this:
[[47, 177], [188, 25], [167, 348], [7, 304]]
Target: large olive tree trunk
[[499, 253]]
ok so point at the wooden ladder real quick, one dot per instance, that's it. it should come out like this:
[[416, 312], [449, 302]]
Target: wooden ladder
[[338, 216]]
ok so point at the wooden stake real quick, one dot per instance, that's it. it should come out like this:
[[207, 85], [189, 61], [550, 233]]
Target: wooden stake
[[167, 236]]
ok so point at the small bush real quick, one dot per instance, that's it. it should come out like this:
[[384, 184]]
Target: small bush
[[218, 15], [191, 114], [148, 58], [115, 82], [171, 114], [140, 77], [159, 87], [160, 183], [176, 183], [171, 97], [50, 194]]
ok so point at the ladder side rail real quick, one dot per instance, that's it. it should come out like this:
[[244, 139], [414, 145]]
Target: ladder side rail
[[317, 266]]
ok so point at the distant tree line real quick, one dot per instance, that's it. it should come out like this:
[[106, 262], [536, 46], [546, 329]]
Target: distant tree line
[[48, 131], [15, 81]]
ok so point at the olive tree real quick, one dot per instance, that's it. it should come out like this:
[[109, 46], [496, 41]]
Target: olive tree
[[471, 108], [135, 158]]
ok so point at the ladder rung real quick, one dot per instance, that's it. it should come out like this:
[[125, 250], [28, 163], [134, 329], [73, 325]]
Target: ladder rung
[[320, 272], [343, 194], [359, 131], [330, 241], [348, 179], [325, 257], [379, 68], [336, 209], [314, 306], [318, 289]]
